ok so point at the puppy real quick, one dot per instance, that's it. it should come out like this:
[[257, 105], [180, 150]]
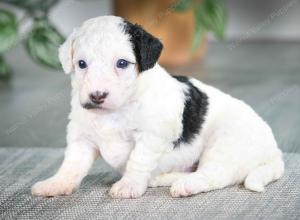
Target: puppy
[[154, 128]]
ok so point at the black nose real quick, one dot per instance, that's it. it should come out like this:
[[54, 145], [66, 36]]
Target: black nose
[[98, 97]]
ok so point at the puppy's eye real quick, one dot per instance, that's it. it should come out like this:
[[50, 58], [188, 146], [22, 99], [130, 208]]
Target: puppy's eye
[[82, 64], [122, 63]]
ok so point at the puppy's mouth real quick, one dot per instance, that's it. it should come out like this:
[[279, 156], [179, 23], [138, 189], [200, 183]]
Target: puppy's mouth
[[90, 106]]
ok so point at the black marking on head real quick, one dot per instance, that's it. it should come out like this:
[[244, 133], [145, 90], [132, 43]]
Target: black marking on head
[[146, 47], [195, 109]]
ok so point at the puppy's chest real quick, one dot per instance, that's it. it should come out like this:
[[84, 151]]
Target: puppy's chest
[[115, 141]]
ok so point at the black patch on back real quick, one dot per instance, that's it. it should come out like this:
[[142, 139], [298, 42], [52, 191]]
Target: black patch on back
[[146, 47], [195, 109]]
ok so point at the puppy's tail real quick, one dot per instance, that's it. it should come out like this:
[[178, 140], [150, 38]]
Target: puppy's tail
[[264, 174]]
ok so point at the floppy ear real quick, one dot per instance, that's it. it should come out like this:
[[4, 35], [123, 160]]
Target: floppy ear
[[147, 48], [65, 53]]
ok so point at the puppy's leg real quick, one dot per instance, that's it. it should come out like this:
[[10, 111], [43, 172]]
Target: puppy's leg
[[208, 177], [264, 174], [79, 157], [142, 161], [166, 179]]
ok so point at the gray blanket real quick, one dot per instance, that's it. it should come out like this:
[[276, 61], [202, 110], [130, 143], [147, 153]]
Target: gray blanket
[[21, 167]]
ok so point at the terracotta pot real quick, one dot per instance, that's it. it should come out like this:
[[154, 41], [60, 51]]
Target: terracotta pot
[[175, 29]]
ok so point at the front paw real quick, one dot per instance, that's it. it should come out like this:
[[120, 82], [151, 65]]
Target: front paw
[[126, 188], [53, 187]]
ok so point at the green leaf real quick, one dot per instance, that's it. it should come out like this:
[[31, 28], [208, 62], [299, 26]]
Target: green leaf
[[4, 69], [198, 35], [182, 5], [33, 5], [8, 30], [42, 44], [212, 15]]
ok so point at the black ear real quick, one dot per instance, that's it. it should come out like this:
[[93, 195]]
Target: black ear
[[147, 48]]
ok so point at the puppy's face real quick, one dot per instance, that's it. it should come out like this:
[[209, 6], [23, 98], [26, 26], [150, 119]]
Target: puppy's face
[[107, 55]]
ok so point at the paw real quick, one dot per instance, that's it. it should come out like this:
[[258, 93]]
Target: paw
[[254, 185], [53, 187], [126, 189], [187, 186], [181, 188]]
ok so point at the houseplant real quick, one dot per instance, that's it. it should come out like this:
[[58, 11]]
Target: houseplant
[[181, 24], [41, 41]]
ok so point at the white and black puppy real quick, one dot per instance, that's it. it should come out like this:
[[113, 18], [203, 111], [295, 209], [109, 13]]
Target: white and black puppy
[[156, 129]]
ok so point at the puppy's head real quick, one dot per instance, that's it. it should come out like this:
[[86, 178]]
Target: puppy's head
[[106, 55]]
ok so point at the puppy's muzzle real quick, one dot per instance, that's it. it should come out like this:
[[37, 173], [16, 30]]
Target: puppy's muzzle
[[98, 97]]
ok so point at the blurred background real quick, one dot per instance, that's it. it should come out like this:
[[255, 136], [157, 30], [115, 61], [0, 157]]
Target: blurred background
[[249, 49]]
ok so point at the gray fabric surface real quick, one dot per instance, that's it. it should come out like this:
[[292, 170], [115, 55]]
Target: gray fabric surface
[[21, 167]]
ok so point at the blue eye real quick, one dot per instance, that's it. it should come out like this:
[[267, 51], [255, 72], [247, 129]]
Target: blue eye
[[82, 64], [122, 63]]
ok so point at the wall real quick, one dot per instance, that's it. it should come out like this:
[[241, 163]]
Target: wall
[[249, 19]]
